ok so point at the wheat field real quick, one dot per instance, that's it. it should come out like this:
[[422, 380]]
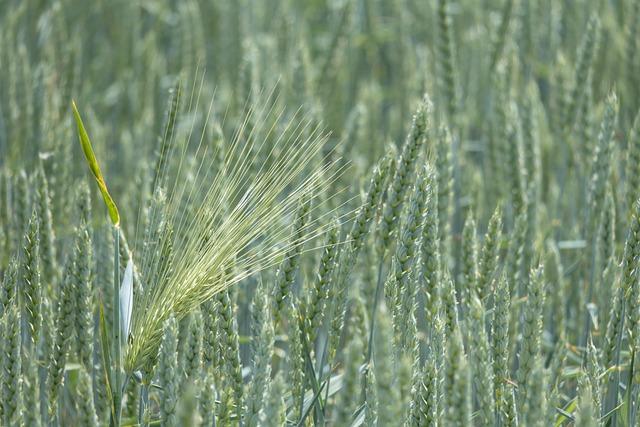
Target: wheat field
[[320, 212]]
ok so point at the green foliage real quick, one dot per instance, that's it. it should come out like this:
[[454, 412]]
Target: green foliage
[[301, 249]]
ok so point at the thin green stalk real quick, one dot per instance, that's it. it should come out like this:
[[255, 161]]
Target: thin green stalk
[[116, 328], [144, 404]]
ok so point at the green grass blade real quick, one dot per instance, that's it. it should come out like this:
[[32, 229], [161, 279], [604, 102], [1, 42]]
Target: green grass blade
[[85, 142]]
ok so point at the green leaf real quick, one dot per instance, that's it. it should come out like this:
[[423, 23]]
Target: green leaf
[[85, 142], [311, 375], [566, 413]]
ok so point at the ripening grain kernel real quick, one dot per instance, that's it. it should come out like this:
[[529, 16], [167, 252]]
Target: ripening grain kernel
[[601, 163], [449, 304], [86, 411], [556, 291], [625, 311], [30, 285], [167, 368], [594, 372], [166, 141], [586, 55], [446, 62], [349, 256], [371, 398], [228, 334], [193, 351], [207, 401], [286, 275], [406, 256], [585, 125], [295, 365], [457, 389], [500, 342], [531, 329], [9, 286], [424, 410], [211, 351], [11, 368], [517, 172], [499, 38], [262, 346], [348, 399], [64, 329], [489, 256], [480, 361], [404, 175], [430, 255], [444, 173], [632, 173], [614, 326], [275, 410], [536, 401], [187, 407], [516, 264], [31, 393], [317, 300], [82, 288], [630, 56], [388, 391], [469, 261], [48, 253], [22, 204]]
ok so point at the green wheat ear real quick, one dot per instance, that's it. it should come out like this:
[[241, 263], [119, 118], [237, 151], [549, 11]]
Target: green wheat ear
[[85, 142]]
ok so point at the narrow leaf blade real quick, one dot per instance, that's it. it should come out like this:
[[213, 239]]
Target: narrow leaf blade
[[85, 142]]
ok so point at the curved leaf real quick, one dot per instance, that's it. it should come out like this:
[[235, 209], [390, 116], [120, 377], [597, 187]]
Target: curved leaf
[[85, 142]]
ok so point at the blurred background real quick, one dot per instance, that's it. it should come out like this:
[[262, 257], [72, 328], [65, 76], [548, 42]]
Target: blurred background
[[359, 66]]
